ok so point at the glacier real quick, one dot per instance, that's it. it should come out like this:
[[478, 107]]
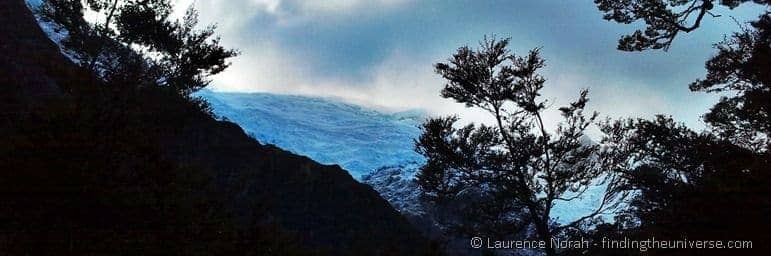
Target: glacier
[[375, 147], [358, 139]]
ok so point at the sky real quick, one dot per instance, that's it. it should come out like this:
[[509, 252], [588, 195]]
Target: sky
[[380, 53]]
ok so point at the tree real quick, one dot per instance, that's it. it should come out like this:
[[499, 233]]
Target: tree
[[663, 19], [511, 173], [711, 185], [740, 66], [687, 185], [741, 69], [140, 37]]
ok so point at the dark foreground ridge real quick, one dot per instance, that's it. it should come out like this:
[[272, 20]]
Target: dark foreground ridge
[[89, 169]]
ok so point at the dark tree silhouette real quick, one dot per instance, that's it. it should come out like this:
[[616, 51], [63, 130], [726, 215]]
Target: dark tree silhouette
[[741, 68], [663, 19], [144, 38], [712, 185], [687, 185], [508, 175]]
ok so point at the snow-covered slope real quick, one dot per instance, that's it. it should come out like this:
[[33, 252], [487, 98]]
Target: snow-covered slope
[[358, 139], [376, 148], [397, 184], [54, 31]]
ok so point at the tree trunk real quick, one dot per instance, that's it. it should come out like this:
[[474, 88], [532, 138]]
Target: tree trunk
[[542, 228]]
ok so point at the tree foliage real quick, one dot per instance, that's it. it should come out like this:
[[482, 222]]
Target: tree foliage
[[140, 38], [509, 174], [740, 70], [664, 19], [712, 185], [686, 185]]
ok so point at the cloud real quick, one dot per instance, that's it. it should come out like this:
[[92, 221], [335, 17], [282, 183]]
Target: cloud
[[337, 6], [263, 66], [380, 53], [285, 12], [402, 82], [267, 65]]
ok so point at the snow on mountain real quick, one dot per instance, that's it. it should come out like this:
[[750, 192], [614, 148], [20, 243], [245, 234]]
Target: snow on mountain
[[398, 186], [358, 139], [376, 148], [54, 31]]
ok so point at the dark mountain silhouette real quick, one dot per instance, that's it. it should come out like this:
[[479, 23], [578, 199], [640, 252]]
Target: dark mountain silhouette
[[90, 169]]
